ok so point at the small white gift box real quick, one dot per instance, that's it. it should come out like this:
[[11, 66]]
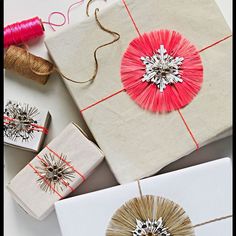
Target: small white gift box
[[25, 126], [55, 172], [204, 191]]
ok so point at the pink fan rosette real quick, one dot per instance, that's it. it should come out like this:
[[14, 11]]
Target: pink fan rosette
[[161, 71]]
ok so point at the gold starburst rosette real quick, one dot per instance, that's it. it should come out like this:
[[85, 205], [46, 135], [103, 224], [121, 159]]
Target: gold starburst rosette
[[150, 216]]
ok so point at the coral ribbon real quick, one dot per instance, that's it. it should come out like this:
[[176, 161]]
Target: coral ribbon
[[37, 127]]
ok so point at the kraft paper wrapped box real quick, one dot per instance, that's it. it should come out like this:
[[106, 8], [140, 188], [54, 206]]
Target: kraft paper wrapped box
[[204, 191], [25, 125], [55, 172], [138, 143]]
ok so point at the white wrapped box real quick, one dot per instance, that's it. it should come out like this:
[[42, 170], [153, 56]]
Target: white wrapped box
[[204, 191], [55, 172], [137, 143], [25, 126]]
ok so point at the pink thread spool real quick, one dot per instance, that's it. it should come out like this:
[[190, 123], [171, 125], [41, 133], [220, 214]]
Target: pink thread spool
[[23, 31]]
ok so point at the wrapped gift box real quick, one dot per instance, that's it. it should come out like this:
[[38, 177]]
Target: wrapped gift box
[[25, 126], [138, 143], [55, 172], [204, 191]]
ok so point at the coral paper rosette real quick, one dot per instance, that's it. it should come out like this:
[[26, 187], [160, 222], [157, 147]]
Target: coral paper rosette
[[161, 71]]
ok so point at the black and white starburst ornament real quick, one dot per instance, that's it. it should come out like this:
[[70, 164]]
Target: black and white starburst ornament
[[19, 121], [150, 228], [55, 173]]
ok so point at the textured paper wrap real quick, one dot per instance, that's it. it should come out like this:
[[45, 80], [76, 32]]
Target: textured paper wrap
[[83, 155], [138, 143], [202, 200]]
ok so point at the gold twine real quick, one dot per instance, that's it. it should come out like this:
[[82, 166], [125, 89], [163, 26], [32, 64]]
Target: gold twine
[[197, 225], [212, 221], [21, 61], [30, 66], [113, 33]]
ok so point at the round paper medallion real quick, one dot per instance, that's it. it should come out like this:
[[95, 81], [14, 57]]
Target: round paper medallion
[[161, 71], [150, 216]]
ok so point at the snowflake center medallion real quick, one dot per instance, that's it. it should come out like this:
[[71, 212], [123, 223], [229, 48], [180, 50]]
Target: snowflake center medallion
[[150, 228], [162, 69]]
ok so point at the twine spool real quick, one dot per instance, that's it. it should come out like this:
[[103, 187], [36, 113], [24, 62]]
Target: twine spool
[[23, 31], [19, 60], [36, 68]]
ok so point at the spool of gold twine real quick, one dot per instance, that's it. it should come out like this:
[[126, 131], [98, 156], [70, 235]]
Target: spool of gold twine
[[19, 60]]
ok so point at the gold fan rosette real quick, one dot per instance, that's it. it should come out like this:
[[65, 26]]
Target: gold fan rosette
[[172, 218]]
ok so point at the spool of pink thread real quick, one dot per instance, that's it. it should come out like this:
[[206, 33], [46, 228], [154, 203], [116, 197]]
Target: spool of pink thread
[[23, 31]]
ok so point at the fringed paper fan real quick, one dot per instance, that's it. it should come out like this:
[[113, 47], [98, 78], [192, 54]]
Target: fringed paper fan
[[161, 71], [150, 216]]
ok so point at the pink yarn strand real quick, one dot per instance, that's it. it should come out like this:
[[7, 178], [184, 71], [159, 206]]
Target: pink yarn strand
[[69, 10], [66, 18], [54, 24], [21, 32]]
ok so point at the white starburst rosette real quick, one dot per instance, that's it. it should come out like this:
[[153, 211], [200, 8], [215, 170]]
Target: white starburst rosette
[[25, 126]]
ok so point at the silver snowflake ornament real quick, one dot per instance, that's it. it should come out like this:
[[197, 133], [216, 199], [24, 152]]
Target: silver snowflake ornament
[[162, 69], [150, 228]]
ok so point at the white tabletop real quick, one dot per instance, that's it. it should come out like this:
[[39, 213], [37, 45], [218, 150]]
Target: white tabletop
[[54, 97]]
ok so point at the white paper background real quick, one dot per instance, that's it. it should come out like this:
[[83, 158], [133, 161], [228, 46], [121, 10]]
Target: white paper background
[[54, 97]]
